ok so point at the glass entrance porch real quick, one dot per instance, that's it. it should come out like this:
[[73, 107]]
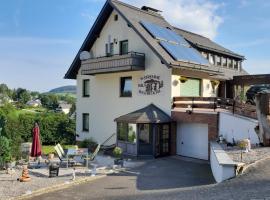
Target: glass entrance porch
[[145, 132]]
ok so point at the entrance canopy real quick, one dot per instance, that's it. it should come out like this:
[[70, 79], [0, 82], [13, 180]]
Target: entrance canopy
[[148, 114]]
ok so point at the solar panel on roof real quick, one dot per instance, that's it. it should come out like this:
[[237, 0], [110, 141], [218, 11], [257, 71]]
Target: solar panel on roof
[[184, 53], [165, 34]]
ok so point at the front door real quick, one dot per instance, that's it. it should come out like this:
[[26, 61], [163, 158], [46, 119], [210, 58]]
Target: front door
[[162, 140]]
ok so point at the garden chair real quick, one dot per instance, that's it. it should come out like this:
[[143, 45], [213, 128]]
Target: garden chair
[[92, 157], [62, 156], [61, 149]]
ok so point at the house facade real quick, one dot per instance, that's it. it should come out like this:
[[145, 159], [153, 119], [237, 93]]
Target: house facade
[[129, 68]]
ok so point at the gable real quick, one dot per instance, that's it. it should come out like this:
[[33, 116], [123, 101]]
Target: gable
[[133, 17]]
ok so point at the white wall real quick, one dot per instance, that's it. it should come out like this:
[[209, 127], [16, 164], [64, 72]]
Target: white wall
[[104, 103], [206, 87], [237, 127], [222, 166]]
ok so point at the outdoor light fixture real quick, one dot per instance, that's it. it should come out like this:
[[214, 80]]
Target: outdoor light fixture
[[183, 79]]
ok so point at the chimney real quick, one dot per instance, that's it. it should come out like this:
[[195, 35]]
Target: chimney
[[149, 9]]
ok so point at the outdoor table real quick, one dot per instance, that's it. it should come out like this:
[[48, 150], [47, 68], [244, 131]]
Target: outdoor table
[[78, 152]]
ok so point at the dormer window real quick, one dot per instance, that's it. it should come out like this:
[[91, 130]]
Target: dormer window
[[218, 60], [236, 64], [230, 63], [211, 58], [224, 62]]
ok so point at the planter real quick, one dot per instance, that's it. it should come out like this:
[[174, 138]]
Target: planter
[[119, 161]]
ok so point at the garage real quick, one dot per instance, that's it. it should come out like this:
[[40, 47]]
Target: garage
[[192, 140]]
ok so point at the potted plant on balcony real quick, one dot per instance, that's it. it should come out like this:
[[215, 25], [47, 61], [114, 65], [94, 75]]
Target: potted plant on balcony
[[117, 152]]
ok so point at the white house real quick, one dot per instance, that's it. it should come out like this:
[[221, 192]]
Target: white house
[[131, 65], [64, 107], [34, 103]]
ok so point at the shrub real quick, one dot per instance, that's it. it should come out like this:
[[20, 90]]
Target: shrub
[[5, 150], [117, 152], [90, 143]]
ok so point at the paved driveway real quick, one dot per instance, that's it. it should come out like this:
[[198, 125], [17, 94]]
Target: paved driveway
[[172, 178]]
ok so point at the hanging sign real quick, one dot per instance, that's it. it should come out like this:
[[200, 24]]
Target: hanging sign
[[150, 85]]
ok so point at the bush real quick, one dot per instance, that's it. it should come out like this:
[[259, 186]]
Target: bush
[[5, 150], [117, 152], [90, 143], [54, 128]]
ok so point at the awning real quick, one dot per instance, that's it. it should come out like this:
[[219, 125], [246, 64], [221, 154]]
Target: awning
[[148, 114]]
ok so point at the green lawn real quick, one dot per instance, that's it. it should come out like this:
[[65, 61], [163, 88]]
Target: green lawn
[[46, 149]]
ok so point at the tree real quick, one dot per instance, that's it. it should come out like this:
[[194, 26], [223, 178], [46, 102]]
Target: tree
[[49, 101], [24, 97]]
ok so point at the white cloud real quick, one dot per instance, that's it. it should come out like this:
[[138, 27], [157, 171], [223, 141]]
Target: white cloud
[[199, 16], [87, 16]]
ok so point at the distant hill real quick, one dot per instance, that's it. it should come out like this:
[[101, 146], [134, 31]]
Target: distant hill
[[69, 89]]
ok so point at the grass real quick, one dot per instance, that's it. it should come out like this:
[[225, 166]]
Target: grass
[[46, 149]]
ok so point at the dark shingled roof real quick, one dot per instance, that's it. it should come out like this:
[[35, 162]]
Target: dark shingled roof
[[205, 43], [148, 114], [133, 17]]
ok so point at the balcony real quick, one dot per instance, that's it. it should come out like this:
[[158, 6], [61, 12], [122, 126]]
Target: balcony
[[131, 61]]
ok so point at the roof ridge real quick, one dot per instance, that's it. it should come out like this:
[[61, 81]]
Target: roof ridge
[[136, 8]]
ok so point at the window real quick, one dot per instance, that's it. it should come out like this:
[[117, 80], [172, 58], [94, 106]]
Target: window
[[218, 59], [211, 58], [126, 132], [204, 54], [86, 88], [85, 122], [230, 63], [123, 47], [122, 131], [115, 17], [236, 64], [109, 49], [126, 87], [224, 62], [144, 136]]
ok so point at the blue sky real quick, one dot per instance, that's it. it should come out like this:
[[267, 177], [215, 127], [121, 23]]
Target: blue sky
[[39, 39]]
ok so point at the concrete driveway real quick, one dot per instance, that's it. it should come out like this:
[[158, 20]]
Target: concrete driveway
[[157, 175]]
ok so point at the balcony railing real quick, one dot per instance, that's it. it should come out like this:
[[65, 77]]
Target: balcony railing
[[214, 103], [131, 61]]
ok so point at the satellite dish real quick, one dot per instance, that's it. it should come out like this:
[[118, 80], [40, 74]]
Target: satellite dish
[[85, 55]]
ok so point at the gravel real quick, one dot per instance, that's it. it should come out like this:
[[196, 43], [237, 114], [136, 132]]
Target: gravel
[[10, 187], [256, 153]]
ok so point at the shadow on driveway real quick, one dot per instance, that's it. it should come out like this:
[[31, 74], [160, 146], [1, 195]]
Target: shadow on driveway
[[169, 173]]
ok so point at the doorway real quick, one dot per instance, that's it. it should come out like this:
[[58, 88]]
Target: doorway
[[162, 140]]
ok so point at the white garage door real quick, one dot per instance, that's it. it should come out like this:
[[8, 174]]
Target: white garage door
[[192, 140]]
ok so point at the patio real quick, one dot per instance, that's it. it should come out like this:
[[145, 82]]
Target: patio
[[40, 181]]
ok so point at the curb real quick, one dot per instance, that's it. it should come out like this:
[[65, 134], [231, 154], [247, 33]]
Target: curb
[[56, 187]]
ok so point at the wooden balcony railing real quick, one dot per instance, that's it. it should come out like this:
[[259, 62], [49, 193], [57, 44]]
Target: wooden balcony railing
[[214, 103], [131, 61]]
